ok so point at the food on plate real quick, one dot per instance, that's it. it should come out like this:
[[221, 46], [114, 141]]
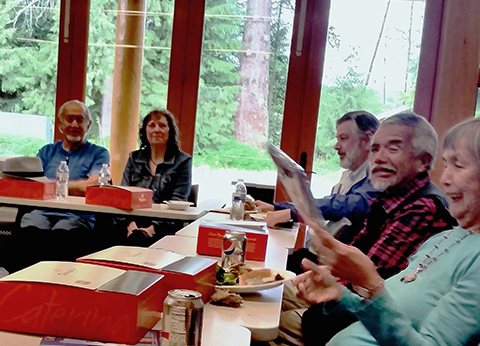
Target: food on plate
[[259, 277], [223, 296], [241, 274], [230, 277]]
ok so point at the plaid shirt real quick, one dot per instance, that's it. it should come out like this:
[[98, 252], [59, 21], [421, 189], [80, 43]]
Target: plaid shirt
[[405, 227]]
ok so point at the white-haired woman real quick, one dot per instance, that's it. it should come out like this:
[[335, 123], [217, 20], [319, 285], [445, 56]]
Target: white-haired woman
[[435, 300]]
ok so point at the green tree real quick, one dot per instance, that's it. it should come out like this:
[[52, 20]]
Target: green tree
[[29, 49]]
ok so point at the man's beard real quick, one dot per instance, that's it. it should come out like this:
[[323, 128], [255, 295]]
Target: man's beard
[[351, 158], [74, 139], [380, 185]]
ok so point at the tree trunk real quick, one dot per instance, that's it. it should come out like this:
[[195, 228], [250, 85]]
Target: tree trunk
[[251, 117]]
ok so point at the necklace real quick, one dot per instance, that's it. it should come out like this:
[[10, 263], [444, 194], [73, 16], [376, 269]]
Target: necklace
[[430, 258]]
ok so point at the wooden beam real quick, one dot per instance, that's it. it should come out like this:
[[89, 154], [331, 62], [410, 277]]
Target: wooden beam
[[184, 74], [127, 82], [305, 72], [72, 54]]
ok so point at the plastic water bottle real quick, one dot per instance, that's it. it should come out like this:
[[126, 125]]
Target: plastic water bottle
[[105, 178], [238, 201], [63, 174]]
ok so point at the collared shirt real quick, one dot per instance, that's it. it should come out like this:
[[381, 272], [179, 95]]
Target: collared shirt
[[390, 239], [350, 178]]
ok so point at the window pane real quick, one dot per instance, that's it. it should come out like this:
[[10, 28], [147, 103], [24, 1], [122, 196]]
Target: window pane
[[28, 74], [371, 64], [101, 56], [241, 92]]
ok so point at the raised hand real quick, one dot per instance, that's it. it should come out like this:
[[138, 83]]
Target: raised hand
[[344, 261]]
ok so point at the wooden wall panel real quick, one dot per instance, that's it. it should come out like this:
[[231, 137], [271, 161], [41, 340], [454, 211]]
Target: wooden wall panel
[[449, 63]]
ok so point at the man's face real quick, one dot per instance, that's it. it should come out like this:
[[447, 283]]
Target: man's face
[[392, 159], [352, 150], [73, 123]]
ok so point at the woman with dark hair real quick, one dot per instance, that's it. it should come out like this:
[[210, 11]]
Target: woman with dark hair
[[158, 165]]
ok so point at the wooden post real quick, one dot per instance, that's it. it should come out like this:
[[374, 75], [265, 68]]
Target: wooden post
[[127, 81]]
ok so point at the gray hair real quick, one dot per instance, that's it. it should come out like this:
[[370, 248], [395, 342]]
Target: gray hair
[[423, 137], [366, 123], [466, 133], [86, 112]]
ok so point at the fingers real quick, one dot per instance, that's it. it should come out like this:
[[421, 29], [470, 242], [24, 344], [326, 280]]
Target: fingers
[[262, 206], [273, 218], [308, 265]]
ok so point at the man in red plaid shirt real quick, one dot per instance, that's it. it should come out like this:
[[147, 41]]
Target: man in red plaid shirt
[[409, 209]]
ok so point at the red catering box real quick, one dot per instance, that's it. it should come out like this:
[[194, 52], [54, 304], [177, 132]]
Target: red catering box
[[210, 240], [193, 273], [27, 189], [83, 301], [122, 197]]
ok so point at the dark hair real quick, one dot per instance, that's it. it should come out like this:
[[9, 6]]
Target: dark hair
[[173, 143], [367, 123]]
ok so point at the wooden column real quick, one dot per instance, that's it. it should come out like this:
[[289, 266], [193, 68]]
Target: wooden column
[[127, 80], [448, 69], [184, 74], [72, 54]]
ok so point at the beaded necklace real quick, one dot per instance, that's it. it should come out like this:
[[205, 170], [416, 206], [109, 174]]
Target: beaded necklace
[[430, 257]]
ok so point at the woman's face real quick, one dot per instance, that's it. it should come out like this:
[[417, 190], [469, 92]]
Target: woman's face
[[461, 184], [157, 130]]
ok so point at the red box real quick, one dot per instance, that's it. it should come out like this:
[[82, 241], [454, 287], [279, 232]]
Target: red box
[[27, 189], [83, 301], [179, 271], [210, 241], [122, 197]]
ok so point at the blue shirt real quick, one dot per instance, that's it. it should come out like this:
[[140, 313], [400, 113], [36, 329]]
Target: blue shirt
[[83, 162], [354, 205]]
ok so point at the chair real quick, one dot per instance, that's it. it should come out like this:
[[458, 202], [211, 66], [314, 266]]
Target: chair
[[193, 197]]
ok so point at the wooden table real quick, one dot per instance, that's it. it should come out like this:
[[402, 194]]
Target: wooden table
[[260, 312], [158, 211]]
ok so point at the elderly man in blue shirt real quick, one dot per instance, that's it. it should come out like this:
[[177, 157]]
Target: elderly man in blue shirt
[[52, 235]]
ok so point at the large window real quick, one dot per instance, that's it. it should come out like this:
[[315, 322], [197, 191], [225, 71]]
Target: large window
[[244, 65], [371, 63], [28, 74]]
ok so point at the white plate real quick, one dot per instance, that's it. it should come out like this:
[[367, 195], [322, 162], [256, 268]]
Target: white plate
[[178, 205], [287, 275]]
